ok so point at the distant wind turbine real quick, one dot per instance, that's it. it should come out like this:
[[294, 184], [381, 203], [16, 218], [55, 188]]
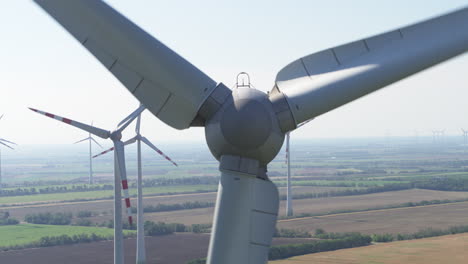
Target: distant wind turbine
[[5, 143], [289, 207], [120, 172], [90, 139], [141, 252]]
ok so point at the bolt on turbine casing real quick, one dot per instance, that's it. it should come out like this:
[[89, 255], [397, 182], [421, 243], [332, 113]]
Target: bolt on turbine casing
[[247, 126]]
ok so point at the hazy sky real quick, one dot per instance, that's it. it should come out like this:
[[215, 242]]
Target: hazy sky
[[44, 67]]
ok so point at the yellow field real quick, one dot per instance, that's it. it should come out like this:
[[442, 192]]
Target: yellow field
[[451, 249]]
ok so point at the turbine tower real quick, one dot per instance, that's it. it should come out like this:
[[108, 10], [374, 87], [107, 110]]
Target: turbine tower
[[245, 128], [141, 249], [120, 172], [7, 144], [90, 139]]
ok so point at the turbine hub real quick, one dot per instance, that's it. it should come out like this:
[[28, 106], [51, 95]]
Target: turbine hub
[[116, 135], [246, 125]]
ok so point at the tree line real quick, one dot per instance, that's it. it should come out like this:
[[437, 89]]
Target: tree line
[[175, 207], [49, 218], [285, 251], [21, 191], [6, 220]]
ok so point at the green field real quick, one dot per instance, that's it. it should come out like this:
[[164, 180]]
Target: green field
[[101, 194], [22, 234]]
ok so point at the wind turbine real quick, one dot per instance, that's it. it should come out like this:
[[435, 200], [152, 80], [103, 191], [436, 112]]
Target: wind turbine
[[245, 128], [465, 136], [120, 172], [5, 143], [141, 252], [90, 139], [289, 207]]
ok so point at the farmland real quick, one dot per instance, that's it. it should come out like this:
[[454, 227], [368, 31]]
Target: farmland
[[27, 233], [444, 249], [170, 249], [398, 220], [346, 186]]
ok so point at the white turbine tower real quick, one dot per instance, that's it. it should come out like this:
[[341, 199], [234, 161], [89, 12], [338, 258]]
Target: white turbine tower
[[90, 139], [5, 143], [289, 207], [244, 127], [141, 249], [120, 172]]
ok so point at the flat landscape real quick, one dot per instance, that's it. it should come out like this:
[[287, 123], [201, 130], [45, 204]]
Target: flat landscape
[[170, 249], [397, 220], [347, 186], [451, 249]]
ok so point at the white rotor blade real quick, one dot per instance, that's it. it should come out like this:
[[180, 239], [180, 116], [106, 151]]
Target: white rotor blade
[[4, 140], [128, 142], [149, 144], [320, 82], [129, 119], [95, 141], [120, 154], [81, 140], [91, 129], [1, 116], [138, 123], [130, 115], [168, 85], [104, 152], [5, 145]]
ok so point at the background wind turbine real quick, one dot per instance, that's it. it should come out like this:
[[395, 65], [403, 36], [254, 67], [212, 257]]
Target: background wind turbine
[[90, 139], [120, 173], [141, 249], [289, 207], [465, 137], [5, 143], [244, 127]]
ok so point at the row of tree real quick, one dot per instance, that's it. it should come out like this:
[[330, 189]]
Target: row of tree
[[49, 218], [21, 191], [285, 251], [423, 233], [174, 207], [54, 189]]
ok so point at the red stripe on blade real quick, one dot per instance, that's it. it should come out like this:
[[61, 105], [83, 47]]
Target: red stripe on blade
[[127, 202], [66, 120], [124, 184], [130, 220], [50, 115]]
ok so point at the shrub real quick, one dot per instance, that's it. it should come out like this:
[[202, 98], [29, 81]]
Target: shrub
[[83, 214]]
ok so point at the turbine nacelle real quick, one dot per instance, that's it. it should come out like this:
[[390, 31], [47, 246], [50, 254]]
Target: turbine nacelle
[[245, 125]]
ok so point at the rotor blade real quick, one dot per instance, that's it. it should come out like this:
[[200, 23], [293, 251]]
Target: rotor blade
[[323, 81], [6, 145], [147, 142], [137, 127], [95, 141], [104, 152], [168, 85], [1, 116], [91, 129], [128, 142], [120, 154], [4, 140], [129, 119], [82, 140]]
